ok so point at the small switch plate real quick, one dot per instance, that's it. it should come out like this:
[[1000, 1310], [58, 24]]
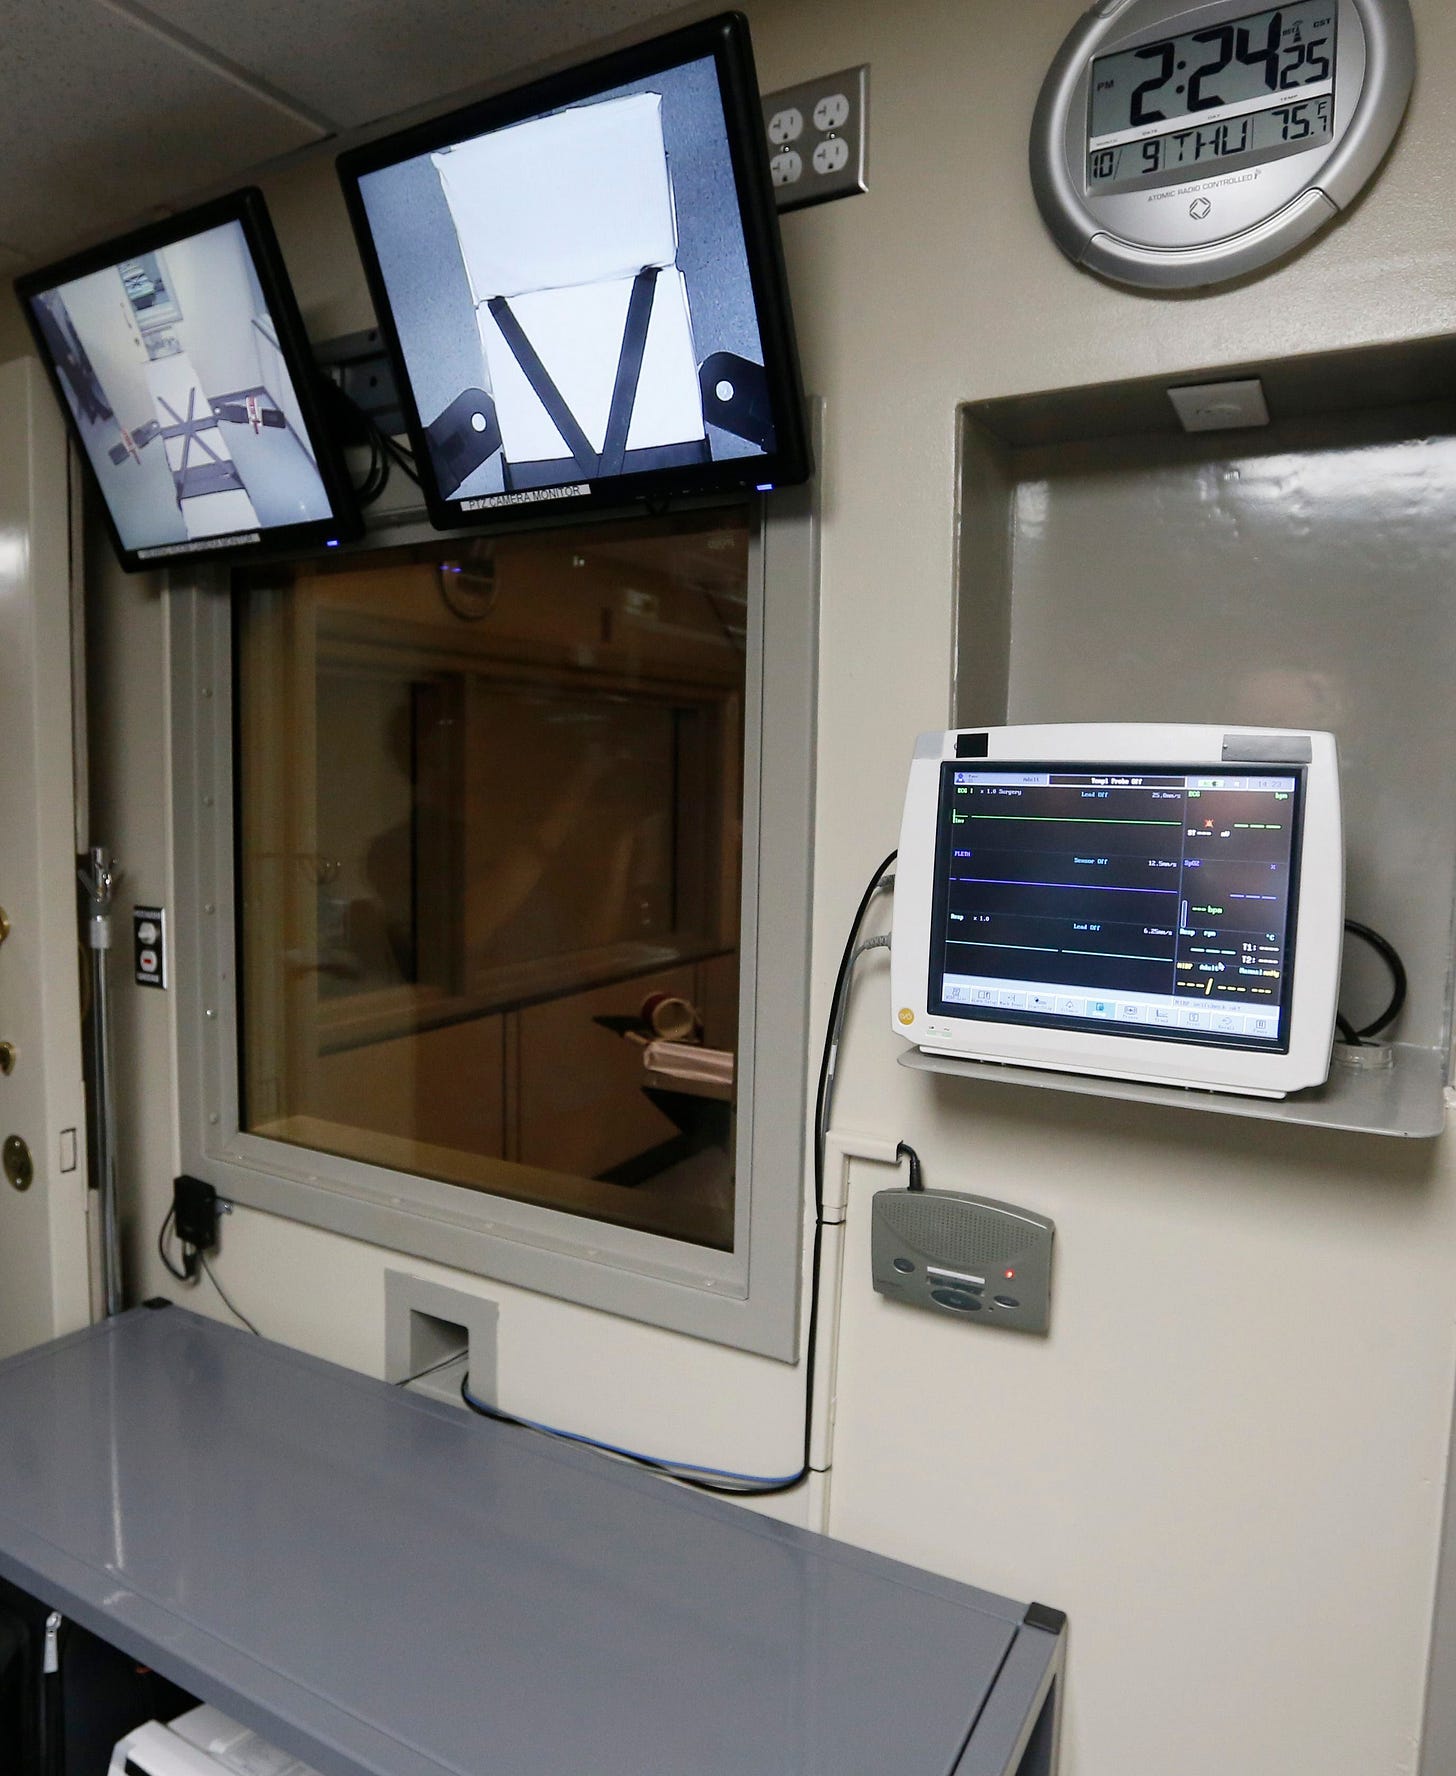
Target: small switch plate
[[1220, 406], [818, 137], [149, 946]]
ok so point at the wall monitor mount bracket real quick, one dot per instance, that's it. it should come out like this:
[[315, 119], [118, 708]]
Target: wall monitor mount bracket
[[1180, 143]]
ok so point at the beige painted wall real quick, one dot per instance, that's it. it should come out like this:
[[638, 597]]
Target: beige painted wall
[[1228, 1460], [1227, 1473]]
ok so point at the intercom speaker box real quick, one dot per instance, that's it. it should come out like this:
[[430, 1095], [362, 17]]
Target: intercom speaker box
[[985, 1262], [818, 136]]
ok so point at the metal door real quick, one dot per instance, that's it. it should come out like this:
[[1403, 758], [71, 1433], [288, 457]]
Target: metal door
[[44, 1281]]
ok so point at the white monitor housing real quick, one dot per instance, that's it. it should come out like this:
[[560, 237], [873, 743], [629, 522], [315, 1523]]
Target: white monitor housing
[[1132, 900]]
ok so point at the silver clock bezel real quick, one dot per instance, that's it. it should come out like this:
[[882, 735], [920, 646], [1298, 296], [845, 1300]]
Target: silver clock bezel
[[1231, 222]]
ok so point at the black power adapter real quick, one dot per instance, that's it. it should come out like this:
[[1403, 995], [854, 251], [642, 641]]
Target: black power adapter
[[194, 1212]]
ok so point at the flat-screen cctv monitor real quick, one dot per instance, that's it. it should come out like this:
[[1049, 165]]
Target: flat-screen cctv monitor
[[182, 366], [1148, 902], [582, 288]]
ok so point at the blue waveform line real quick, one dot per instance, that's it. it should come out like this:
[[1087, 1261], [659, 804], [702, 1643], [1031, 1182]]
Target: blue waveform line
[[1096, 887]]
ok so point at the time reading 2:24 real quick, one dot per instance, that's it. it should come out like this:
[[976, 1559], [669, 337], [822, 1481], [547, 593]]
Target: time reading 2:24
[[1286, 66]]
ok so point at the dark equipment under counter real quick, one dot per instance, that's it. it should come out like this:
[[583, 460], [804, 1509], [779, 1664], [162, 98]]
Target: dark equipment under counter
[[385, 1586]]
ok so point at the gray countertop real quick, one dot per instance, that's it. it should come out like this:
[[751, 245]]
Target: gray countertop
[[381, 1583]]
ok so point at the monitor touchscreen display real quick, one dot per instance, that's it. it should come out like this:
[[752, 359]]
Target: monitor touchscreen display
[[176, 353], [1153, 903], [583, 285]]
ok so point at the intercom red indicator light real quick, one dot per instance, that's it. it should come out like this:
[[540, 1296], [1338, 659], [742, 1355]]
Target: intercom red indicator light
[[1010, 1275]]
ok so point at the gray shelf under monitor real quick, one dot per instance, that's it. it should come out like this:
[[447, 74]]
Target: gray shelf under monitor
[[1407, 1098], [384, 1585]]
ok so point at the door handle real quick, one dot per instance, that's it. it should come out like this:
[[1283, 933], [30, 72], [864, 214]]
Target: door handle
[[9, 1055]]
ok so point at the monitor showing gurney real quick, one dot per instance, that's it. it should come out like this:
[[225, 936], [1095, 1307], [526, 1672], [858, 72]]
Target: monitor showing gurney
[[582, 286], [182, 366]]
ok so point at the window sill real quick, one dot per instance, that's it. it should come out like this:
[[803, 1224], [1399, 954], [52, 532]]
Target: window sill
[[639, 1209]]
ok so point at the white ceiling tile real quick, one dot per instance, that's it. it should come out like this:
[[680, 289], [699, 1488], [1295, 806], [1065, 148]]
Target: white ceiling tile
[[102, 122], [360, 60]]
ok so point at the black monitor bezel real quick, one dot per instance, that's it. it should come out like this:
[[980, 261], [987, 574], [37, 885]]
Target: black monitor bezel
[[940, 1007], [726, 39], [247, 208]]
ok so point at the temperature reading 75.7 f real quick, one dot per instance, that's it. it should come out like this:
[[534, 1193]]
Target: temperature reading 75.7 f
[[1280, 128]]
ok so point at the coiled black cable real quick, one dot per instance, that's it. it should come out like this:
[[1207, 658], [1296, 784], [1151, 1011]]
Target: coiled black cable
[[1357, 1036]]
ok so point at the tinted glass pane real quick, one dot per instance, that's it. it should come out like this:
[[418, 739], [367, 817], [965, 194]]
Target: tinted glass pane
[[489, 822]]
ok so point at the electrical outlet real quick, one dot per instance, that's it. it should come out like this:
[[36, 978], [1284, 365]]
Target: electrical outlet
[[830, 156], [832, 113], [785, 126], [827, 121]]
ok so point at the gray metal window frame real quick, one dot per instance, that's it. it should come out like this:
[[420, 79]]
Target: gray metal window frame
[[747, 1298]]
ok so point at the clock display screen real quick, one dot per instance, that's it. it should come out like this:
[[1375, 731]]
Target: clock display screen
[[1253, 89]]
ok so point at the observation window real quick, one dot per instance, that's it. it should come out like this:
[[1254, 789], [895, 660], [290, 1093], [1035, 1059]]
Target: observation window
[[489, 809]]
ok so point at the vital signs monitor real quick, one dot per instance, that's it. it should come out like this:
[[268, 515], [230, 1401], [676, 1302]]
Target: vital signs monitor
[[1148, 902]]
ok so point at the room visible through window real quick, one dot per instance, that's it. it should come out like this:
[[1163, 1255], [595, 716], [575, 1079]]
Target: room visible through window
[[489, 829]]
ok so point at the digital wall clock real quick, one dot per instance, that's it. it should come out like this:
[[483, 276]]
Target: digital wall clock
[[1176, 145]]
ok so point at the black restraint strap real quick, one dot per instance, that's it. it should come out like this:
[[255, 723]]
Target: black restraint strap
[[544, 388], [624, 390], [190, 430], [629, 370]]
